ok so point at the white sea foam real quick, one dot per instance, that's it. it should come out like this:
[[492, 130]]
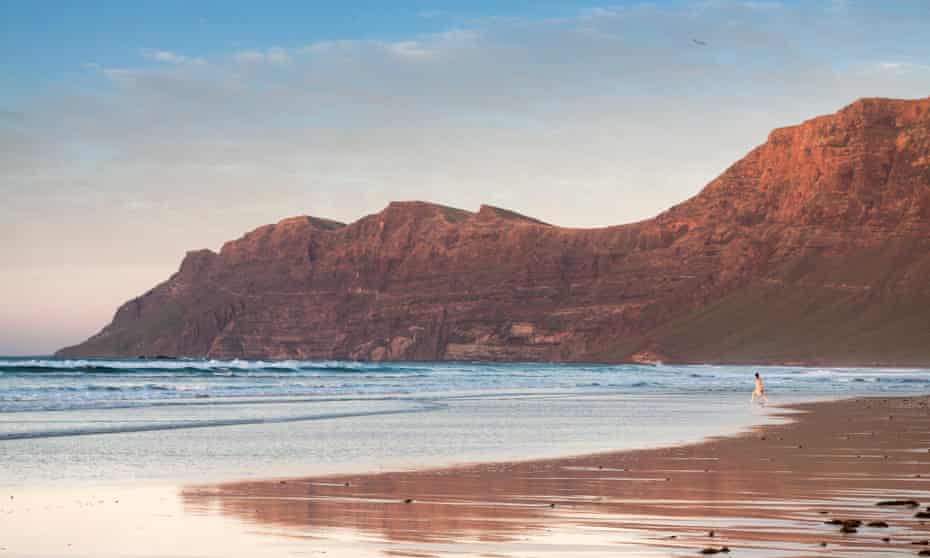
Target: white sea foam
[[47, 384]]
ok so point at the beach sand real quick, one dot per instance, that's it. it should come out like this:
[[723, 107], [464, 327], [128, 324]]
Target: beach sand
[[769, 492]]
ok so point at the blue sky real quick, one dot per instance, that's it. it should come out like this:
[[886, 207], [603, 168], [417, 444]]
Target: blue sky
[[46, 42], [131, 132]]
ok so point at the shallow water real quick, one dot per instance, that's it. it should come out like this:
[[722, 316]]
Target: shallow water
[[32, 384], [110, 421]]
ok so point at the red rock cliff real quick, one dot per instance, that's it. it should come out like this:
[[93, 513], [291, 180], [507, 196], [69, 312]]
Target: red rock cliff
[[813, 248]]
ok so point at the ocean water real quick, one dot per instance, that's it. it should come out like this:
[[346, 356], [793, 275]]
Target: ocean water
[[114, 421]]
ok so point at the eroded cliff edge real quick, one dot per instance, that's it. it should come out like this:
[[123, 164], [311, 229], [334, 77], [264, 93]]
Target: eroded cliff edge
[[814, 248]]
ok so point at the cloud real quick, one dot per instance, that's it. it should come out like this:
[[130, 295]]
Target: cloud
[[763, 5], [278, 56], [423, 48], [902, 66], [408, 50], [274, 55], [168, 57], [249, 56]]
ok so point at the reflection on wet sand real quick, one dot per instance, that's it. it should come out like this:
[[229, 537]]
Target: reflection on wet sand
[[770, 492]]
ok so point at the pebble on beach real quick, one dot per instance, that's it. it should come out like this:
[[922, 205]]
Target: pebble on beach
[[909, 503]]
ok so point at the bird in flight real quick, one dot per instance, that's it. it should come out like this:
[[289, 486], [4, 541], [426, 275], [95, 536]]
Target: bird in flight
[[699, 43]]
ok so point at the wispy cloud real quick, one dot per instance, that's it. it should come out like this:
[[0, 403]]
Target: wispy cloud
[[168, 57], [903, 66], [408, 50], [249, 56], [274, 55]]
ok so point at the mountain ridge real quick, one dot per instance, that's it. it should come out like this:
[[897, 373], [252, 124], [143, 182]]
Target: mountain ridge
[[813, 248]]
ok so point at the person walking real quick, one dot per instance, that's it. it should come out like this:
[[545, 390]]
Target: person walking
[[759, 391]]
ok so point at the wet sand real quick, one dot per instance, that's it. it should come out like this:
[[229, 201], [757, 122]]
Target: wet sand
[[769, 492]]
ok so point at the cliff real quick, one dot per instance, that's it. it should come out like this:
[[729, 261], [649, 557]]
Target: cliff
[[814, 248]]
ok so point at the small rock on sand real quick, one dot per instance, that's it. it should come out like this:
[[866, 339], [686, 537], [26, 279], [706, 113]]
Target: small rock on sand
[[713, 550], [909, 503], [876, 524], [850, 526], [844, 522]]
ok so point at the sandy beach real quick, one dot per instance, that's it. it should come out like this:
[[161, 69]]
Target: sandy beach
[[778, 490]]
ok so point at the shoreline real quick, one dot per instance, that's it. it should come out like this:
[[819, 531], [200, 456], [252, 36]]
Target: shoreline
[[797, 472], [632, 362]]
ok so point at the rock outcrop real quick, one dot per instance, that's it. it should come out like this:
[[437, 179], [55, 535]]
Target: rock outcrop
[[814, 248]]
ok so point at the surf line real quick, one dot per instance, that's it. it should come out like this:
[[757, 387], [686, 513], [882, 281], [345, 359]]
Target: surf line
[[421, 406], [213, 401]]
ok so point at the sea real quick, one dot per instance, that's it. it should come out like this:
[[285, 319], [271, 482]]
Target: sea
[[98, 422]]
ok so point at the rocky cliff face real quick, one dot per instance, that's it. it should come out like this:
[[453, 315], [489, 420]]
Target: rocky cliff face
[[813, 248]]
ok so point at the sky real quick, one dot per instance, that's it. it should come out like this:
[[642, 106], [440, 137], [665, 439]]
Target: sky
[[131, 132]]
